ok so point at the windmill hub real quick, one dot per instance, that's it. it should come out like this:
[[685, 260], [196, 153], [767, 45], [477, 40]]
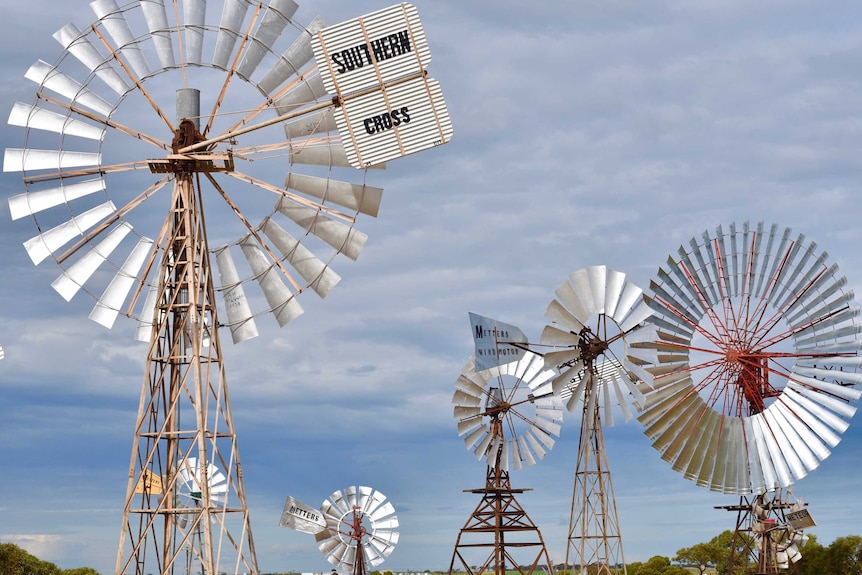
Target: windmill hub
[[591, 346]]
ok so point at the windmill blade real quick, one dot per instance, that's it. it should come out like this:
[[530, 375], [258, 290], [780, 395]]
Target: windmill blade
[[30, 203], [316, 124], [68, 284], [77, 44], [144, 329], [281, 301], [559, 314], [552, 335], [232, 16], [332, 155], [344, 238], [569, 300], [316, 273], [524, 452], [294, 59], [45, 244], [476, 435], [115, 23], [588, 287], [160, 32], [555, 359], [362, 198], [311, 90], [275, 19], [29, 116], [239, 316], [194, 17], [53, 79], [28, 160], [107, 307]]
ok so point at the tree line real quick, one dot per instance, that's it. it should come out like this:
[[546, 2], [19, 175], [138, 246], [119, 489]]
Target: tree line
[[841, 557]]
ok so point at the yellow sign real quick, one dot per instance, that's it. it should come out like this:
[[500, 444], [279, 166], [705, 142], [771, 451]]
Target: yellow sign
[[149, 483]]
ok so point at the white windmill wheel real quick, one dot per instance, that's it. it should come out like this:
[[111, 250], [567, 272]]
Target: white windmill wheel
[[103, 145], [361, 529], [595, 308], [516, 394], [755, 362], [193, 486]]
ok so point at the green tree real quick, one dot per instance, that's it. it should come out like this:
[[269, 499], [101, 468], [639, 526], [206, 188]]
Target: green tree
[[656, 565], [80, 571], [700, 555], [16, 561], [842, 557]]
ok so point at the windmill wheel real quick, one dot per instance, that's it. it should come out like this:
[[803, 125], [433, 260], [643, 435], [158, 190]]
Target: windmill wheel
[[196, 489], [148, 93], [596, 313], [508, 415], [756, 359], [358, 518]]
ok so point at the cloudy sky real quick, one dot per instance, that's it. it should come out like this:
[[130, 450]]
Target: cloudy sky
[[585, 133]]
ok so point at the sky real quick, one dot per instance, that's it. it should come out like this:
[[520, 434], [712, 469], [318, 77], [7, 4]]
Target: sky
[[584, 133]]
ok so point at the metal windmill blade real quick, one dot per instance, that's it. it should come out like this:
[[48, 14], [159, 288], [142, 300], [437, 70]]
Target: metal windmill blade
[[508, 392], [361, 529], [756, 361]]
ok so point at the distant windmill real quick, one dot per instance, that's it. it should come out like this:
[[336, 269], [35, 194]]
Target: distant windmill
[[508, 416], [355, 527], [122, 110]]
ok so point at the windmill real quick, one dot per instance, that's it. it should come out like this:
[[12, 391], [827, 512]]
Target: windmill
[[509, 417], [755, 363], [355, 528], [188, 115], [596, 314]]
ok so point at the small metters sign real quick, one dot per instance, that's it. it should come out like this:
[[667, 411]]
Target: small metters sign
[[375, 65], [301, 517], [494, 342]]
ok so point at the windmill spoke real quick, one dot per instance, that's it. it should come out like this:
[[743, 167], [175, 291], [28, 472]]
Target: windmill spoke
[[232, 71], [135, 80], [251, 230], [107, 122], [115, 217], [98, 171], [293, 197]]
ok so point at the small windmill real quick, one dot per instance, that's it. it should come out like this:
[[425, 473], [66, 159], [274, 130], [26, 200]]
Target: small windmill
[[754, 368], [316, 101], [508, 415], [596, 313], [355, 527]]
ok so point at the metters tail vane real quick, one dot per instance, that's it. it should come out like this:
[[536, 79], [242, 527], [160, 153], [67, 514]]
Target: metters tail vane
[[301, 517]]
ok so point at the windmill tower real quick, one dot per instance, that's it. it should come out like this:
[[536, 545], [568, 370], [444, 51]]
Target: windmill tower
[[492, 408], [596, 313], [753, 371], [101, 121]]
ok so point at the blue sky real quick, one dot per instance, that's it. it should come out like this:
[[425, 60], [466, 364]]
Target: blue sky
[[585, 133]]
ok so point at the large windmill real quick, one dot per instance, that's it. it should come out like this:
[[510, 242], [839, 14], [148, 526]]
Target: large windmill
[[188, 113], [595, 315], [754, 368]]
